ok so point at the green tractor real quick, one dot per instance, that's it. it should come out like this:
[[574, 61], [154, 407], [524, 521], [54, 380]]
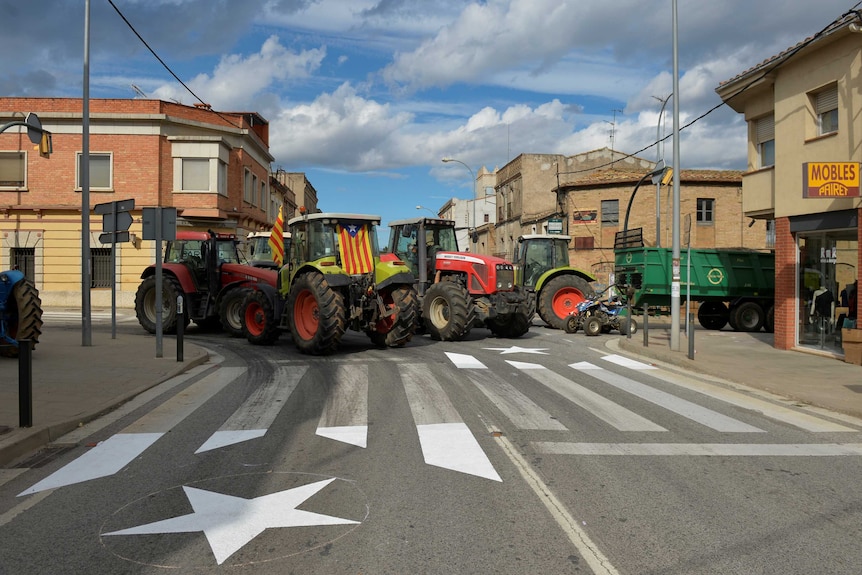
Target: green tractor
[[542, 262], [333, 280]]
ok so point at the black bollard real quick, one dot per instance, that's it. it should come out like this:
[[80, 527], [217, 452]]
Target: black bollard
[[25, 383], [646, 325], [180, 326]]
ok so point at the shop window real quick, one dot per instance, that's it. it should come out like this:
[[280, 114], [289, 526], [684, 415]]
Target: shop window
[[826, 110], [764, 129], [705, 210], [101, 173], [13, 170], [610, 212]]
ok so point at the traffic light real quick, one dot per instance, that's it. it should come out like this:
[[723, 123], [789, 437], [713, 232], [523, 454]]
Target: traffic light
[[45, 146]]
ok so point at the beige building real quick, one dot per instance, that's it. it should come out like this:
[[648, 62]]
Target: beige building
[[804, 114]]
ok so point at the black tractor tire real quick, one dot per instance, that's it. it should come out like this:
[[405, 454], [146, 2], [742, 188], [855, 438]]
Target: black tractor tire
[[573, 324], [259, 325], [448, 311], [593, 326], [559, 298], [230, 311], [397, 330], [747, 316], [510, 325], [712, 315], [317, 315], [145, 304], [769, 322], [24, 309]]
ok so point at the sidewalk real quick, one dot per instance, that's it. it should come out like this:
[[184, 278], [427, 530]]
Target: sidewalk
[[73, 384], [750, 359]]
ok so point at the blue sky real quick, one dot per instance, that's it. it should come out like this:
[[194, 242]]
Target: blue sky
[[367, 96]]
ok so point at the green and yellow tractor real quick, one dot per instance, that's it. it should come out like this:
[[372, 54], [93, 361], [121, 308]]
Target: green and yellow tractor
[[333, 280]]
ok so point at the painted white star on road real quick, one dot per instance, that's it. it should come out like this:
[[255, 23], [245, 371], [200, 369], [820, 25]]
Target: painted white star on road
[[516, 349], [230, 522]]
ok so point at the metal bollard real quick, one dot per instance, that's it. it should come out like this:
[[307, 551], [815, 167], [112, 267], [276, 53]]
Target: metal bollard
[[180, 327], [25, 383], [646, 325]]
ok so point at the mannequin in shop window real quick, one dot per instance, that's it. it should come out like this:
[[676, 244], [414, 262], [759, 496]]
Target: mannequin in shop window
[[823, 308]]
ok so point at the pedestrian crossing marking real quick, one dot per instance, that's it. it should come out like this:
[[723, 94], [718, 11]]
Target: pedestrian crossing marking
[[463, 361], [685, 408], [597, 405], [345, 413], [517, 407], [627, 362], [253, 418], [702, 449]]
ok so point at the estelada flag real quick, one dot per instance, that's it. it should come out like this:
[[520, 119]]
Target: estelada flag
[[354, 244], [276, 239]]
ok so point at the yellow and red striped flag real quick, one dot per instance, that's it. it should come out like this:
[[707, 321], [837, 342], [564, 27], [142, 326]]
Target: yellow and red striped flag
[[276, 239], [355, 247]]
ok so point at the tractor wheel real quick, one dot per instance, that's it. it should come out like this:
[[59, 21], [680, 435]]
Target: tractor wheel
[[593, 326], [259, 325], [712, 315], [24, 316], [317, 315], [747, 316], [398, 329], [145, 304], [560, 297], [448, 311], [230, 311], [510, 326]]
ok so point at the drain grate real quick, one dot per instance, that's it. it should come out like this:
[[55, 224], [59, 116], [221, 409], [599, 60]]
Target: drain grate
[[44, 457]]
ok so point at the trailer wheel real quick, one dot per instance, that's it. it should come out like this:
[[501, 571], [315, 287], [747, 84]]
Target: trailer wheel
[[23, 316], [769, 323], [559, 298], [712, 315], [448, 311], [747, 316], [318, 316], [259, 325], [230, 311], [593, 326]]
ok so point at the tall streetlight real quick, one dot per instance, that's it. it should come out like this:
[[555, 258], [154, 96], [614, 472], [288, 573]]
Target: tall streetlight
[[658, 157], [473, 176], [675, 275], [429, 209]]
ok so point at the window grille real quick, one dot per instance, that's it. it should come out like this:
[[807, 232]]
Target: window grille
[[24, 260], [101, 265]]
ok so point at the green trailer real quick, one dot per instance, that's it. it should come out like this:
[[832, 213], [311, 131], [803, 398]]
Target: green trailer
[[735, 286]]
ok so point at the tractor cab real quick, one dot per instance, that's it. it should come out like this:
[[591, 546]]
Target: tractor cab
[[417, 242], [535, 254], [200, 252]]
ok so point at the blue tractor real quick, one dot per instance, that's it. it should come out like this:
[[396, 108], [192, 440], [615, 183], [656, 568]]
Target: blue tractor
[[20, 312]]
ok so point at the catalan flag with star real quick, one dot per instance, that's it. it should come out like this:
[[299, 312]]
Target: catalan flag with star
[[354, 244], [276, 239]]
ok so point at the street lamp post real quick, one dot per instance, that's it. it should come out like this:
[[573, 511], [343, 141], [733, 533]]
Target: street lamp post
[[659, 156], [473, 176], [424, 208]]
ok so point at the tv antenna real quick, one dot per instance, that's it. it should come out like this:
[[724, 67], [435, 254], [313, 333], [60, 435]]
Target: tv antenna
[[139, 92]]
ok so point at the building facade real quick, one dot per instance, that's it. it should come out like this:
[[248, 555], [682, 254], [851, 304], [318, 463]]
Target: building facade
[[213, 167], [804, 118]]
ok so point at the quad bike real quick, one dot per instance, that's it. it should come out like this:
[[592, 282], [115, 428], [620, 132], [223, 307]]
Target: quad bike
[[20, 312], [596, 315]]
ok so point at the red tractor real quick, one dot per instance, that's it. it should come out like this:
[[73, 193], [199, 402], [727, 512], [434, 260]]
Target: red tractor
[[459, 290], [204, 268]]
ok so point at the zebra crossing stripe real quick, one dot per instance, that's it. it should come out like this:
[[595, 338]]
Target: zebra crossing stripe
[[445, 439], [702, 449], [345, 413], [463, 361], [627, 362], [687, 409], [116, 452], [253, 418], [615, 415], [516, 406]]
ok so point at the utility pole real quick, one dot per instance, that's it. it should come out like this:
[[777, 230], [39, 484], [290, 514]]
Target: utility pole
[[675, 271]]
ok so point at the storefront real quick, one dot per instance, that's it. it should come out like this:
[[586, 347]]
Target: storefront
[[827, 245]]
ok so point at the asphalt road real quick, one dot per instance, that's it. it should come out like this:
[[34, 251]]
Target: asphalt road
[[544, 454]]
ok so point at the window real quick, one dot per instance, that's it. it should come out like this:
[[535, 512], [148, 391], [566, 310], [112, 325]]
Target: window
[[584, 242], [263, 201], [765, 138], [196, 175], [610, 212], [101, 265], [13, 170], [100, 171], [705, 210], [24, 260], [222, 178], [826, 109], [247, 190]]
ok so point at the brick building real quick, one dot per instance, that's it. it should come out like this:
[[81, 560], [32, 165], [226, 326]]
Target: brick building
[[213, 167], [804, 140]]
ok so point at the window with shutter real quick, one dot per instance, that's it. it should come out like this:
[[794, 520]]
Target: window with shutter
[[826, 109], [765, 138]]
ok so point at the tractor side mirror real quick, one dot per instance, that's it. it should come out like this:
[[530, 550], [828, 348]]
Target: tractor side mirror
[[407, 231]]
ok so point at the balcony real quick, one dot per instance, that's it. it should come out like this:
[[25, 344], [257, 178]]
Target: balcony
[[758, 192]]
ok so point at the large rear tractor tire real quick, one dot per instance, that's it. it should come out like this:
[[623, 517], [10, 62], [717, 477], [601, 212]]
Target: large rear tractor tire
[[317, 315], [145, 304], [448, 311], [230, 311], [559, 299], [712, 315], [23, 317], [259, 325], [398, 329]]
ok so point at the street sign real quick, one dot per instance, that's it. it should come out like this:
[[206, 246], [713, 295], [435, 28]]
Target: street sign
[[111, 207], [167, 219], [114, 237], [124, 220], [555, 226]]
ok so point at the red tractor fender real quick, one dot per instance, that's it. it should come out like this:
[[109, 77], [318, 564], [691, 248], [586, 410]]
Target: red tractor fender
[[179, 271]]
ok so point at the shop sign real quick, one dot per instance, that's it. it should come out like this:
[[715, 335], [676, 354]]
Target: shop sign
[[555, 226], [830, 180]]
